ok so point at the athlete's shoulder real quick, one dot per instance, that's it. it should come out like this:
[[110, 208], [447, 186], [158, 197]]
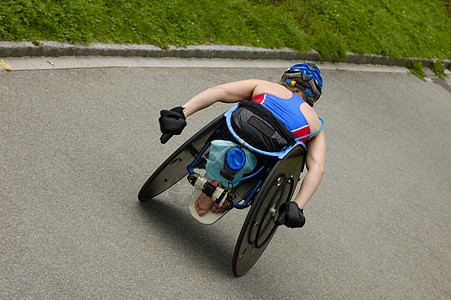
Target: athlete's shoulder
[[311, 117], [271, 88]]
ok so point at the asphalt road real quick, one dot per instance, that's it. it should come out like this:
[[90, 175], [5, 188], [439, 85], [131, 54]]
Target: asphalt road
[[76, 146]]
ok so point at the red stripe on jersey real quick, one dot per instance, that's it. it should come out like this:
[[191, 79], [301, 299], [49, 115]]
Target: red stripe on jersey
[[259, 99], [301, 132]]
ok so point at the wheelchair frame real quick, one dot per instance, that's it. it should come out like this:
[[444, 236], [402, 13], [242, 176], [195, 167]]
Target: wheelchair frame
[[264, 191]]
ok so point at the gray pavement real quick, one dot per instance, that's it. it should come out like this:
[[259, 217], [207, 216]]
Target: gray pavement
[[77, 144]]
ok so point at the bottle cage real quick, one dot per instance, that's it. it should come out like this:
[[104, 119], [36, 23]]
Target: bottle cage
[[234, 161]]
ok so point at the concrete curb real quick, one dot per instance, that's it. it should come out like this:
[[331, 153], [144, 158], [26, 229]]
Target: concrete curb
[[55, 49]]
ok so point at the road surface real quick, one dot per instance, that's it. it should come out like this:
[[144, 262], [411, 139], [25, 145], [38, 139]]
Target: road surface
[[77, 144]]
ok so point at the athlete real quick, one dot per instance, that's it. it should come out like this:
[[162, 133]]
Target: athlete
[[291, 101]]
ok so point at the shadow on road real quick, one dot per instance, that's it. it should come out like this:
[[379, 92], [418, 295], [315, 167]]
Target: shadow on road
[[205, 244]]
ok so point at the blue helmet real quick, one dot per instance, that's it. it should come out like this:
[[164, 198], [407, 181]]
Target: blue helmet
[[309, 73]]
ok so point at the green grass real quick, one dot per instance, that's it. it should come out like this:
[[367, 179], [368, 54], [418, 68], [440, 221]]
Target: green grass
[[437, 68], [416, 68], [395, 28]]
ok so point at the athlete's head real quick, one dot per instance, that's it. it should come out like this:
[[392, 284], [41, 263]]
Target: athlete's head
[[304, 79]]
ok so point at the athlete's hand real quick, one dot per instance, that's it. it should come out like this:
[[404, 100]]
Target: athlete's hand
[[290, 215], [172, 123]]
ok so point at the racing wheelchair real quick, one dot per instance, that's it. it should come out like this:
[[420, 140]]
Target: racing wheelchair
[[272, 183]]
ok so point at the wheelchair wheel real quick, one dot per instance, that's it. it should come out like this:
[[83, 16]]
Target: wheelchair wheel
[[259, 226], [174, 167]]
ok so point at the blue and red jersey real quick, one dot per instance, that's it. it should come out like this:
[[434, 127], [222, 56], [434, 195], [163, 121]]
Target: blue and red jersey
[[288, 111]]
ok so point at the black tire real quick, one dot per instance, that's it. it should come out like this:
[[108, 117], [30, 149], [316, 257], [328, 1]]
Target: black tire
[[173, 169], [259, 227]]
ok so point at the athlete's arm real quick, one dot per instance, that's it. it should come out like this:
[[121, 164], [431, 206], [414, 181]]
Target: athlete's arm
[[315, 163], [173, 121], [228, 93]]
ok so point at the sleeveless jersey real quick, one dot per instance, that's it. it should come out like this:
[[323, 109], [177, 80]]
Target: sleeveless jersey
[[288, 111]]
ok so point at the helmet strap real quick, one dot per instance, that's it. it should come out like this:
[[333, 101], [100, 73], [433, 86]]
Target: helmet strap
[[305, 90]]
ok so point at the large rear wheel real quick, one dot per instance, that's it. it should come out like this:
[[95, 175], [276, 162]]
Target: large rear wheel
[[259, 226]]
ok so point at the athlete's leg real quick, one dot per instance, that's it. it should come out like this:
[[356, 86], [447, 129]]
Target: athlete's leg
[[205, 203]]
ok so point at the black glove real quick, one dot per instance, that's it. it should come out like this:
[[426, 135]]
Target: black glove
[[290, 215], [172, 123]]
